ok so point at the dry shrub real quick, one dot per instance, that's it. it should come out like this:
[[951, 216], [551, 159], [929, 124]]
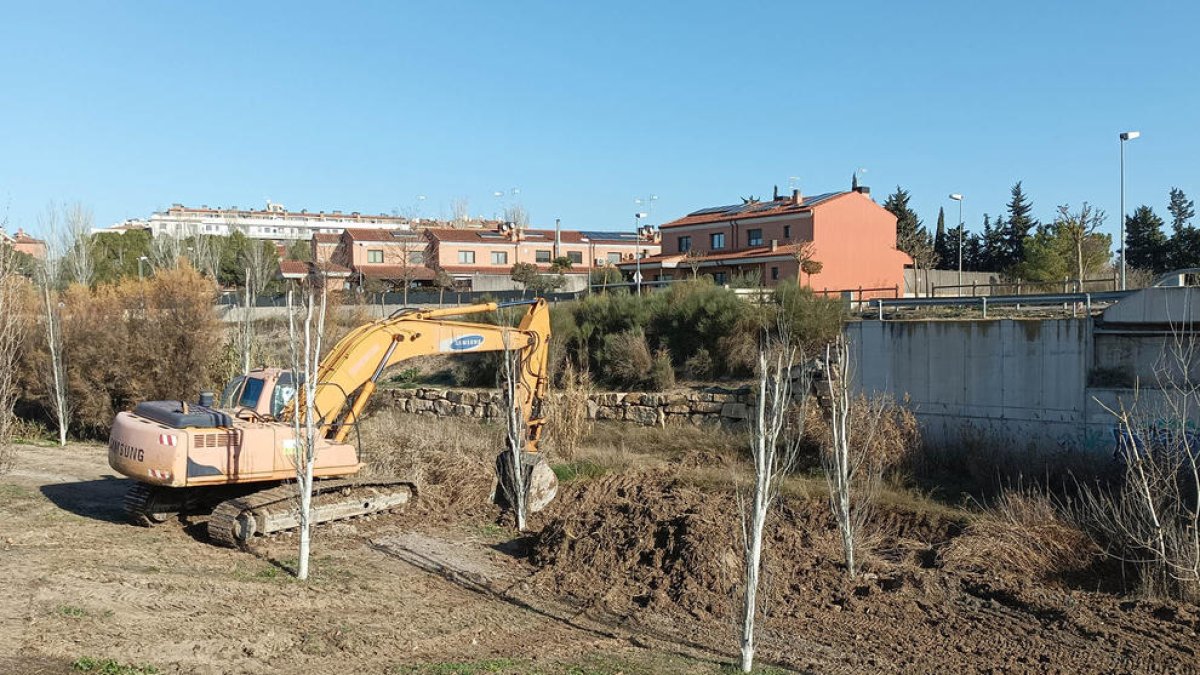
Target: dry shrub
[[890, 428], [625, 360], [135, 340], [450, 460], [15, 304], [567, 412], [1024, 535]]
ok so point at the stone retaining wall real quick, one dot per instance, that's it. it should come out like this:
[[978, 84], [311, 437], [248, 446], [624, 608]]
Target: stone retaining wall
[[711, 405]]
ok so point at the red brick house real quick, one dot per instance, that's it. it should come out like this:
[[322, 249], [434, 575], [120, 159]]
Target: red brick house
[[852, 236]]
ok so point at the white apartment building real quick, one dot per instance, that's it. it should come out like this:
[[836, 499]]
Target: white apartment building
[[273, 222]]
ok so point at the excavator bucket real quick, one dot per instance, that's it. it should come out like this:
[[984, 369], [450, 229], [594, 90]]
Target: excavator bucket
[[539, 480]]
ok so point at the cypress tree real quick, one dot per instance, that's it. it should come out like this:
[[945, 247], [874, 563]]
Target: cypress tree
[[947, 258], [1183, 249]]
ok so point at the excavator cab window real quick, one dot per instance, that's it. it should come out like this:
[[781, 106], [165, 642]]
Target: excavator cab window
[[229, 397], [251, 392], [285, 390]]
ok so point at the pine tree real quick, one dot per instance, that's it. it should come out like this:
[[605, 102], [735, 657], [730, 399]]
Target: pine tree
[[1183, 250], [911, 236], [1020, 222], [1145, 243], [992, 245], [972, 252]]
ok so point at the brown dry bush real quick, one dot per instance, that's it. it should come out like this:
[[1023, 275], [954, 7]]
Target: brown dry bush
[[1022, 535], [131, 341], [895, 435], [450, 460], [16, 302]]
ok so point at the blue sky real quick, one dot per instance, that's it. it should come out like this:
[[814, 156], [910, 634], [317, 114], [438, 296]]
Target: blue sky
[[583, 107]]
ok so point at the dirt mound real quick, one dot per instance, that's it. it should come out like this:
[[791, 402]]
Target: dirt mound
[[665, 555], [644, 541]]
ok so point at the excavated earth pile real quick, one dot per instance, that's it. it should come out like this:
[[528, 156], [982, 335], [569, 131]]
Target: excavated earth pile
[[665, 556]]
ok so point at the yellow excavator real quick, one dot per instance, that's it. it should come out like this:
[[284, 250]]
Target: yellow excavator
[[234, 457]]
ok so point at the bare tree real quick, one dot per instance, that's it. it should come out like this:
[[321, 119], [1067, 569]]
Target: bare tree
[[846, 456], [246, 327], [204, 253], [77, 244], [511, 468], [1152, 518], [805, 256], [257, 261], [693, 259], [304, 346], [443, 280], [460, 212], [165, 251], [12, 334], [774, 447], [50, 273], [1079, 227], [517, 215]]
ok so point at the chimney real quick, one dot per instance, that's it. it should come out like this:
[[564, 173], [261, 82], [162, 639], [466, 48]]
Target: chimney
[[557, 237], [797, 198], [774, 245], [863, 190], [775, 194]]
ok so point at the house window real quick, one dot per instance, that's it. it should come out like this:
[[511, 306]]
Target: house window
[[614, 258], [685, 244], [466, 257], [416, 257], [375, 256], [576, 257], [774, 273], [542, 256], [787, 231], [754, 237], [499, 257], [720, 277], [716, 240]]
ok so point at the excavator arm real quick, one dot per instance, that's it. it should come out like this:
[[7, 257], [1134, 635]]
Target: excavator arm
[[348, 375]]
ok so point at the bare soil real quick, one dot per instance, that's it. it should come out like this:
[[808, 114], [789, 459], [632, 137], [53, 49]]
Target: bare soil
[[628, 573]]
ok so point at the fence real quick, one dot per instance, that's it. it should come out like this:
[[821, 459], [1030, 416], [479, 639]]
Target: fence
[[984, 301], [1025, 287]]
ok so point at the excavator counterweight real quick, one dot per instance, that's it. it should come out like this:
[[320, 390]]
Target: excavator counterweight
[[232, 457]]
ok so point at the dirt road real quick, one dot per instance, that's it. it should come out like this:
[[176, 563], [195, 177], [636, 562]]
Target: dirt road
[[387, 596]]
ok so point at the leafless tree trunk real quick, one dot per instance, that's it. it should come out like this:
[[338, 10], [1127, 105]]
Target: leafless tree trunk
[[11, 337], [773, 449], [258, 262], [459, 211], [512, 472], [59, 402], [64, 248], [846, 456], [165, 251], [517, 214], [304, 345], [246, 332]]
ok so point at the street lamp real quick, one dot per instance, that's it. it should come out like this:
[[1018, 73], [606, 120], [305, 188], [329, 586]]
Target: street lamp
[[959, 198], [637, 254], [1125, 136], [140, 260]]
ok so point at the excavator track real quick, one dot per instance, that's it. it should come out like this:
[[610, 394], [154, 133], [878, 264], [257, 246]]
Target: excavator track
[[235, 522], [149, 505]]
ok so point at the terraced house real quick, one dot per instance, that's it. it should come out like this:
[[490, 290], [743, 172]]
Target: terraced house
[[852, 237]]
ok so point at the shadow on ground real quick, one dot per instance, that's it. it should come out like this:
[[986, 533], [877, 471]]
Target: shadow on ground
[[96, 499]]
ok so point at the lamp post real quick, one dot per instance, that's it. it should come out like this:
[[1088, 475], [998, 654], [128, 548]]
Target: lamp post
[[1125, 136], [140, 260], [959, 198], [637, 253]]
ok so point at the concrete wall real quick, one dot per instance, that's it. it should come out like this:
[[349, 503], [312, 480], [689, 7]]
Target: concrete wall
[[1017, 381]]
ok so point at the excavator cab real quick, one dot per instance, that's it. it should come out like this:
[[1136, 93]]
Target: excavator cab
[[266, 391]]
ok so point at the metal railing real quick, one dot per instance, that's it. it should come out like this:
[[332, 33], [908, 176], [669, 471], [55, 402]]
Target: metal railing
[[1026, 287], [984, 301]]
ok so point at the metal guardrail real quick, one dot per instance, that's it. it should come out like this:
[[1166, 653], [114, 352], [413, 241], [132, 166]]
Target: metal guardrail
[[984, 301]]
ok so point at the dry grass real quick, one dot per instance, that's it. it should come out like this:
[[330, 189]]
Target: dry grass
[[1022, 534], [567, 420], [450, 460]]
